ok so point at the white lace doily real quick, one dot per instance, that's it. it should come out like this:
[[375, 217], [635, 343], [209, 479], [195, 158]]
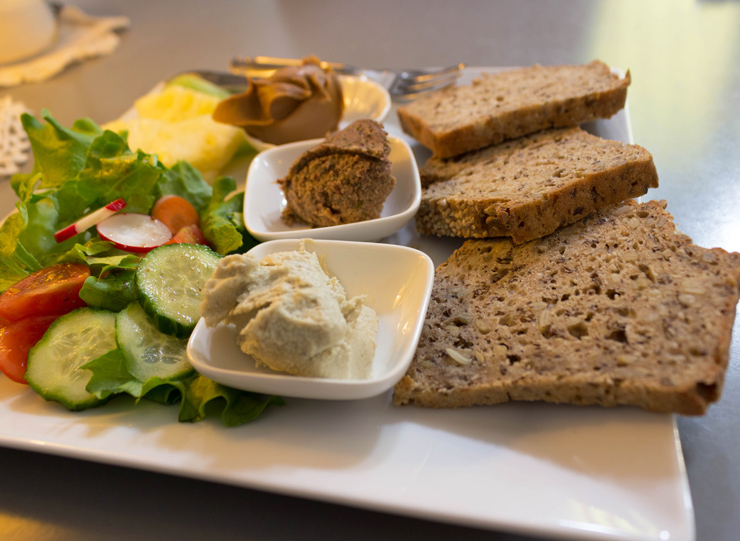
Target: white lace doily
[[81, 36], [14, 144]]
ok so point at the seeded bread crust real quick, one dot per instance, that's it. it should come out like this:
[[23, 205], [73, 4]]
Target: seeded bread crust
[[528, 187], [617, 309], [513, 103]]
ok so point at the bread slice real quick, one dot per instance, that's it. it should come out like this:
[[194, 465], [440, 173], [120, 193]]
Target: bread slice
[[513, 103], [617, 309], [528, 187]]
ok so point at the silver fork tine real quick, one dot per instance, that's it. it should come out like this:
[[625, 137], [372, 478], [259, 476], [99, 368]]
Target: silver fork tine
[[432, 75], [407, 95], [404, 88], [418, 86]]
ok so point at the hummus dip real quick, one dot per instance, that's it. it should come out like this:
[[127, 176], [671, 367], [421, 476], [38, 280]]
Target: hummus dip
[[291, 316]]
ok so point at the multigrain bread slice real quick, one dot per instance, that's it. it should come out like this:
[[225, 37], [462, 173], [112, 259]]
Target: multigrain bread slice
[[528, 187], [617, 309], [509, 104]]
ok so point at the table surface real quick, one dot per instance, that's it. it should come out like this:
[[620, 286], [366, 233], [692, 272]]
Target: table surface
[[684, 58]]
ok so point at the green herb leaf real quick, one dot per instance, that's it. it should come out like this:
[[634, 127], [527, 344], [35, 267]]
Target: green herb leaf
[[59, 152], [197, 394], [186, 181], [223, 221], [239, 407], [114, 292]]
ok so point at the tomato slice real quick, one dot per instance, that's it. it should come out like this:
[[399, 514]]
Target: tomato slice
[[16, 340], [51, 290]]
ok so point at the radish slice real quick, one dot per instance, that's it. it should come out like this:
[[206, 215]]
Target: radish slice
[[86, 222], [132, 232]]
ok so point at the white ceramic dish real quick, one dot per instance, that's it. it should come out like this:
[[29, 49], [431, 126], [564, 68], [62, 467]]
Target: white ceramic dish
[[264, 201], [27, 27], [363, 98], [532, 469], [400, 298]]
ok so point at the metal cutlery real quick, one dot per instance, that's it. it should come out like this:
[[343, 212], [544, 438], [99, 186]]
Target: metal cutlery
[[402, 84]]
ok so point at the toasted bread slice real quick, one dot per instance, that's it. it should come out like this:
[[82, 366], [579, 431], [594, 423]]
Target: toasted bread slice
[[511, 104], [616, 309], [528, 187]]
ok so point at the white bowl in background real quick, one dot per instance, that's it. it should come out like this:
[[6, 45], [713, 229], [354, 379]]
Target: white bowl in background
[[27, 27]]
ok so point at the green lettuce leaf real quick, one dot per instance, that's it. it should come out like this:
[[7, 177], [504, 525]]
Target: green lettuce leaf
[[186, 181], [59, 152], [110, 376], [15, 261], [101, 256], [198, 395], [237, 407], [223, 222], [111, 171], [114, 292]]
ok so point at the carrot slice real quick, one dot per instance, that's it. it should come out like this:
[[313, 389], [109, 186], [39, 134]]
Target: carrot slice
[[175, 212], [190, 234]]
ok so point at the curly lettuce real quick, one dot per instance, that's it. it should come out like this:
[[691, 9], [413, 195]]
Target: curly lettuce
[[82, 168]]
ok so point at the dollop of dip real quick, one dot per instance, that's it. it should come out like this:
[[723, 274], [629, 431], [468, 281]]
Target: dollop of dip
[[296, 103], [345, 179], [291, 316]]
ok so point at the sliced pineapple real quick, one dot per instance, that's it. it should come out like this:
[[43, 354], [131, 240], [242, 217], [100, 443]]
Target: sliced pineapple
[[176, 125], [175, 103], [206, 145]]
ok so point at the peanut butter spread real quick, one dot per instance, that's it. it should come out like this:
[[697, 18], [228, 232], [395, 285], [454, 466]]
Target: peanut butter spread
[[296, 103]]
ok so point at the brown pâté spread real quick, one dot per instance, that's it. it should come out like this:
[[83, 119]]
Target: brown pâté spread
[[296, 103], [343, 180]]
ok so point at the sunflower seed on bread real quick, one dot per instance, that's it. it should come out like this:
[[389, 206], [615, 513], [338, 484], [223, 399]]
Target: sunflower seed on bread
[[513, 103], [528, 187], [616, 309]]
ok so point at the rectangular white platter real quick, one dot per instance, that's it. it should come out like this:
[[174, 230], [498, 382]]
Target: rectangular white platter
[[536, 469]]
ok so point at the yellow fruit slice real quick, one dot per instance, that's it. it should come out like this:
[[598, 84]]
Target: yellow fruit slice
[[175, 103], [206, 145]]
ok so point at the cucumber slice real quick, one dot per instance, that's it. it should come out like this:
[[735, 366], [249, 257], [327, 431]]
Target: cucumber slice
[[148, 353], [53, 368], [170, 280]]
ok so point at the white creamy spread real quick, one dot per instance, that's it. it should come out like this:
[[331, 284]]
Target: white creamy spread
[[291, 316]]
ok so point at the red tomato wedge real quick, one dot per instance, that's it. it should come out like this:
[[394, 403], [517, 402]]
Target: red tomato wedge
[[53, 290], [175, 212], [190, 234], [16, 340]]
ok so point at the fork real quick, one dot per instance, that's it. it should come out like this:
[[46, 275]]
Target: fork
[[402, 85]]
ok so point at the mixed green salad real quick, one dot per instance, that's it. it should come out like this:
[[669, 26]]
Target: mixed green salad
[[127, 330]]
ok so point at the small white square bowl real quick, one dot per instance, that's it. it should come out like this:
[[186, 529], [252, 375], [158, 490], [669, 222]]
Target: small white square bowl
[[397, 282], [264, 200]]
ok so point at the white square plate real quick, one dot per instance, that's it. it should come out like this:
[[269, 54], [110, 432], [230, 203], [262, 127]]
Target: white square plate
[[397, 282], [534, 469]]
